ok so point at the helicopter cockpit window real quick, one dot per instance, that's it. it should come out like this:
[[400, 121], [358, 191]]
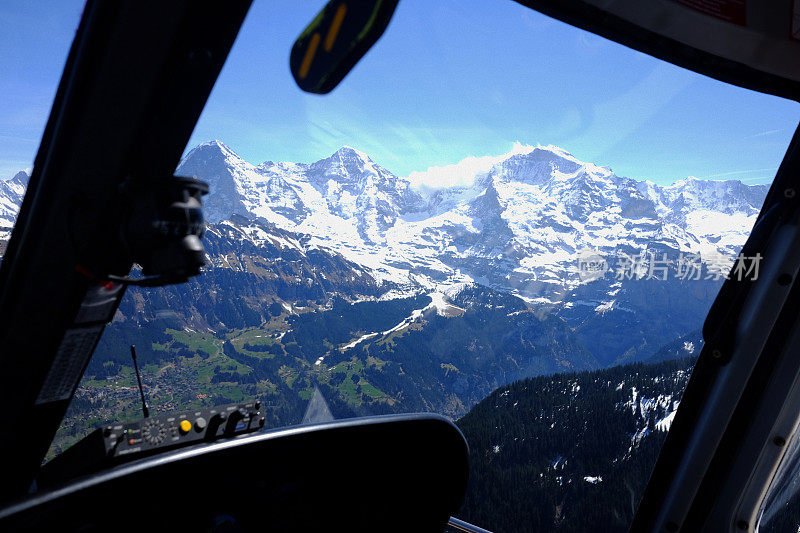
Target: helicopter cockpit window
[[780, 510], [33, 50], [495, 216]]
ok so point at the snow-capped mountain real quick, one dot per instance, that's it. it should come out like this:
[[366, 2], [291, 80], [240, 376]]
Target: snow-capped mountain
[[11, 193], [517, 226], [516, 222], [308, 198]]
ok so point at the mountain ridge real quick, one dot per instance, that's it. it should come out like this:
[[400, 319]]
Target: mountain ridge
[[378, 219], [518, 225]]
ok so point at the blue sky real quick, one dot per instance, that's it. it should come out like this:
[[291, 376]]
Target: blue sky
[[449, 79]]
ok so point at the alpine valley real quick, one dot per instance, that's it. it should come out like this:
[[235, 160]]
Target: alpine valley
[[392, 294]]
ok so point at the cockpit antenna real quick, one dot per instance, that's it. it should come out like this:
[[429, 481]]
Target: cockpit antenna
[[145, 410]]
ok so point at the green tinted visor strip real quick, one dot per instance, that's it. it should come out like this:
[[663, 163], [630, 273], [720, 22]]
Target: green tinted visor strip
[[336, 40]]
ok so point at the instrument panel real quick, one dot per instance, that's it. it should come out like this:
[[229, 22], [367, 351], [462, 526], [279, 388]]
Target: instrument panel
[[181, 428], [117, 443]]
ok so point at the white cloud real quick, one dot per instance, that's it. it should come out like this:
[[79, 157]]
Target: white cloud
[[462, 173]]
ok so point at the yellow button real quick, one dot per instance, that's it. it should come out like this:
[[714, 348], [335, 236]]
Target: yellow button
[[185, 426]]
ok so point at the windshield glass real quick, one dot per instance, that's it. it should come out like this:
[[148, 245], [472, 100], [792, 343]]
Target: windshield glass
[[496, 217], [34, 45], [780, 510]]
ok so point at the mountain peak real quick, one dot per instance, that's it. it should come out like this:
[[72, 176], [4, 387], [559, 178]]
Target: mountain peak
[[539, 165], [562, 160], [21, 178], [215, 142], [206, 152], [224, 171], [555, 150], [215, 145], [350, 152], [347, 163]]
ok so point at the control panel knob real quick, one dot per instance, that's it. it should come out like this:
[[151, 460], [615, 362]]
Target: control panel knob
[[154, 431], [214, 423], [235, 420], [185, 426]]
